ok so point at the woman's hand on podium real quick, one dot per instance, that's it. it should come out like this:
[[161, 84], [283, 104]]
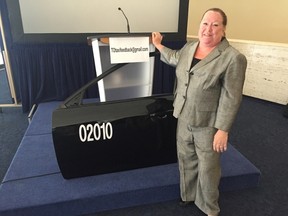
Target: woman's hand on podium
[[157, 40]]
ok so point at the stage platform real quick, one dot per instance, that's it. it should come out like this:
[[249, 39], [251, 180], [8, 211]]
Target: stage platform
[[33, 184]]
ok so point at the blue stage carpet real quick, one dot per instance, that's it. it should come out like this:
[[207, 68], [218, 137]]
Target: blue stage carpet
[[33, 184]]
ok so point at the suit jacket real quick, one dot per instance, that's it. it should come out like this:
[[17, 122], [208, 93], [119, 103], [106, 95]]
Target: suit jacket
[[208, 94]]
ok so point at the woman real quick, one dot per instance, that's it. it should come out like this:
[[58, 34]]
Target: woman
[[209, 81]]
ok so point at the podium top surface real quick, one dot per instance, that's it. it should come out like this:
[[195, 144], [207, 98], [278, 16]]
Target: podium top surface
[[118, 35], [105, 37]]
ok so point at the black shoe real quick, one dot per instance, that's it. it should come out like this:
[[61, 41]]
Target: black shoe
[[185, 203]]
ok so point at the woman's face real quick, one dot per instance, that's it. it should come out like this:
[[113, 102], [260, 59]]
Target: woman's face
[[211, 29]]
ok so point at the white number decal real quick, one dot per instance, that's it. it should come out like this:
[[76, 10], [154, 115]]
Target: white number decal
[[109, 130], [82, 133], [89, 132], [97, 132], [89, 128]]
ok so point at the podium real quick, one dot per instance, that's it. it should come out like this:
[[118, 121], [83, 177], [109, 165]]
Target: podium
[[130, 81]]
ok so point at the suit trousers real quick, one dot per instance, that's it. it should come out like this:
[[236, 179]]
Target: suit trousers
[[199, 166]]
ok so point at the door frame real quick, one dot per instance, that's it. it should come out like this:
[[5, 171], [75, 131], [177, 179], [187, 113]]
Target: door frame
[[8, 69]]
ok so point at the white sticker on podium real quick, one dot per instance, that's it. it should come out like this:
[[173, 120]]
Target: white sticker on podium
[[129, 49]]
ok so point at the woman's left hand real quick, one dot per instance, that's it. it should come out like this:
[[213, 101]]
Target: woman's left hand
[[220, 141]]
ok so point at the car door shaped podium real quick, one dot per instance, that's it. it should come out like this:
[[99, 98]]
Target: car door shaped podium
[[92, 138]]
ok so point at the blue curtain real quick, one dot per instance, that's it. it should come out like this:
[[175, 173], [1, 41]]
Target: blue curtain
[[50, 72]]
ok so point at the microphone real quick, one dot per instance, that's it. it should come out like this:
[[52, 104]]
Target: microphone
[[128, 26]]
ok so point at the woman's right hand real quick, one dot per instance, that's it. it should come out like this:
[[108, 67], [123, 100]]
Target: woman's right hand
[[157, 40]]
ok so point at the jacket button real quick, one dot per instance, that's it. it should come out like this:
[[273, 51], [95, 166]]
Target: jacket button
[[191, 73], [186, 84], [184, 97]]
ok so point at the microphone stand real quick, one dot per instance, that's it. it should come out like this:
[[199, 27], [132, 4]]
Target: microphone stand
[[128, 26]]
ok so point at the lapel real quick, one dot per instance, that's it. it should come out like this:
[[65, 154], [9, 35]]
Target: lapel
[[214, 54]]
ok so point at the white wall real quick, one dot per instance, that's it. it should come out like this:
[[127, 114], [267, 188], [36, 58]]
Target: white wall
[[267, 70], [255, 20]]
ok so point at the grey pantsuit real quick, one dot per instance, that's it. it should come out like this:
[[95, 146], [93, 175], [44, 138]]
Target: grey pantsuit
[[207, 98], [199, 166]]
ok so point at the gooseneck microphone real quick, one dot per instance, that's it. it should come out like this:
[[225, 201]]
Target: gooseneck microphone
[[128, 26]]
